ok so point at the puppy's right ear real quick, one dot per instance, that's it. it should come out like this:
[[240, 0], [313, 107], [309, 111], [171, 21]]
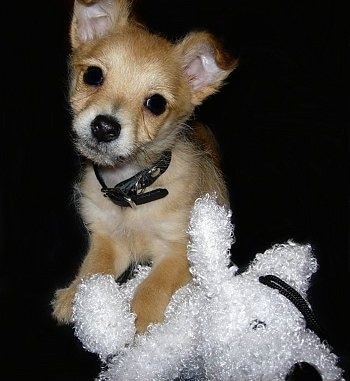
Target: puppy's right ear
[[96, 18], [205, 63]]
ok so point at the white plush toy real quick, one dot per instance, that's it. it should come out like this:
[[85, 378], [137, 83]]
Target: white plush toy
[[224, 325]]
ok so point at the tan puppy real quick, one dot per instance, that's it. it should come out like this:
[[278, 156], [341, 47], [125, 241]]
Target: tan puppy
[[132, 94]]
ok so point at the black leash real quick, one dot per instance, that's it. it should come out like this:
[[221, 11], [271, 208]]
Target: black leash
[[290, 293], [131, 192]]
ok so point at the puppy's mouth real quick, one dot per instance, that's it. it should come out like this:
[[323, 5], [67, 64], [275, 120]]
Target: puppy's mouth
[[100, 142], [100, 153]]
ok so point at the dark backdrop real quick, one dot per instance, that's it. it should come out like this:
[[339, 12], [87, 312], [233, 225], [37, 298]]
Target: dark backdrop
[[282, 122]]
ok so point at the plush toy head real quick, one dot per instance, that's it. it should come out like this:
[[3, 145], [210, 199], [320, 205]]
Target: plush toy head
[[224, 325]]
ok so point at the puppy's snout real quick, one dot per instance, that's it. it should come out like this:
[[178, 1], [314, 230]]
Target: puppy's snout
[[105, 128]]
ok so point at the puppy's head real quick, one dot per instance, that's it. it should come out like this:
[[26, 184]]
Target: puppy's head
[[131, 91]]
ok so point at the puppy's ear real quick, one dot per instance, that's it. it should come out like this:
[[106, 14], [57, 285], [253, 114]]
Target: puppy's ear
[[96, 18], [206, 64]]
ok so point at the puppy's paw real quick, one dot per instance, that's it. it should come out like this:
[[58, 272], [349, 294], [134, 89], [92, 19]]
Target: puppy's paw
[[149, 304], [62, 305]]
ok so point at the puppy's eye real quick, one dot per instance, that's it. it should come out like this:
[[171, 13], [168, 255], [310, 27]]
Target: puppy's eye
[[156, 103], [93, 76]]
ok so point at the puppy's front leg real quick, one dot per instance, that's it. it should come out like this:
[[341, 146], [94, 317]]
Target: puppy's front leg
[[101, 258], [153, 294]]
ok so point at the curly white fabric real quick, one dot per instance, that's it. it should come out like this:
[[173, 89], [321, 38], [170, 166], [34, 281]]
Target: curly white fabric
[[221, 326]]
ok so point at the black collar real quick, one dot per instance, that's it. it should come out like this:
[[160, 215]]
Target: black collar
[[131, 192]]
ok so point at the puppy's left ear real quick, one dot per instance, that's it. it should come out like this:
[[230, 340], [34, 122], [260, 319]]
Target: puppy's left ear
[[93, 19], [206, 64]]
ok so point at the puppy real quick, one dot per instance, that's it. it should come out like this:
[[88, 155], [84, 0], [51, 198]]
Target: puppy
[[132, 96]]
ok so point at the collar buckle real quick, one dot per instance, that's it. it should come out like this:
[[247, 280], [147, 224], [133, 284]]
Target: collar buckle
[[131, 192]]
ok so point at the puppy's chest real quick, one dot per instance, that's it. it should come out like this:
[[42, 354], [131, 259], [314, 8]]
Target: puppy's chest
[[127, 221]]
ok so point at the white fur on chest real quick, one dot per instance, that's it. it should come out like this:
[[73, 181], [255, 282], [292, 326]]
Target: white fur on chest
[[113, 176]]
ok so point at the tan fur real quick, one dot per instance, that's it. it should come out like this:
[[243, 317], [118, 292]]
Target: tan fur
[[136, 65]]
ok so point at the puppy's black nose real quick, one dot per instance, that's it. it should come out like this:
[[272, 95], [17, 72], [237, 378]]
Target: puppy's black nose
[[105, 128]]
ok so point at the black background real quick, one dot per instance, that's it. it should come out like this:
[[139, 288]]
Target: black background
[[282, 121]]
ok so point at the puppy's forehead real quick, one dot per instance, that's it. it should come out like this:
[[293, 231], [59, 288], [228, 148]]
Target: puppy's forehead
[[132, 53]]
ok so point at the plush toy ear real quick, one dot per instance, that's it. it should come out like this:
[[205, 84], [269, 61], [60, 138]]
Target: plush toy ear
[[292, 262], [211, 237], [206, 64], [96, 18]]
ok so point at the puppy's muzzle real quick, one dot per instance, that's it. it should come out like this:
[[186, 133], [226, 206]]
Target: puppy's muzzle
[[105, 128]]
